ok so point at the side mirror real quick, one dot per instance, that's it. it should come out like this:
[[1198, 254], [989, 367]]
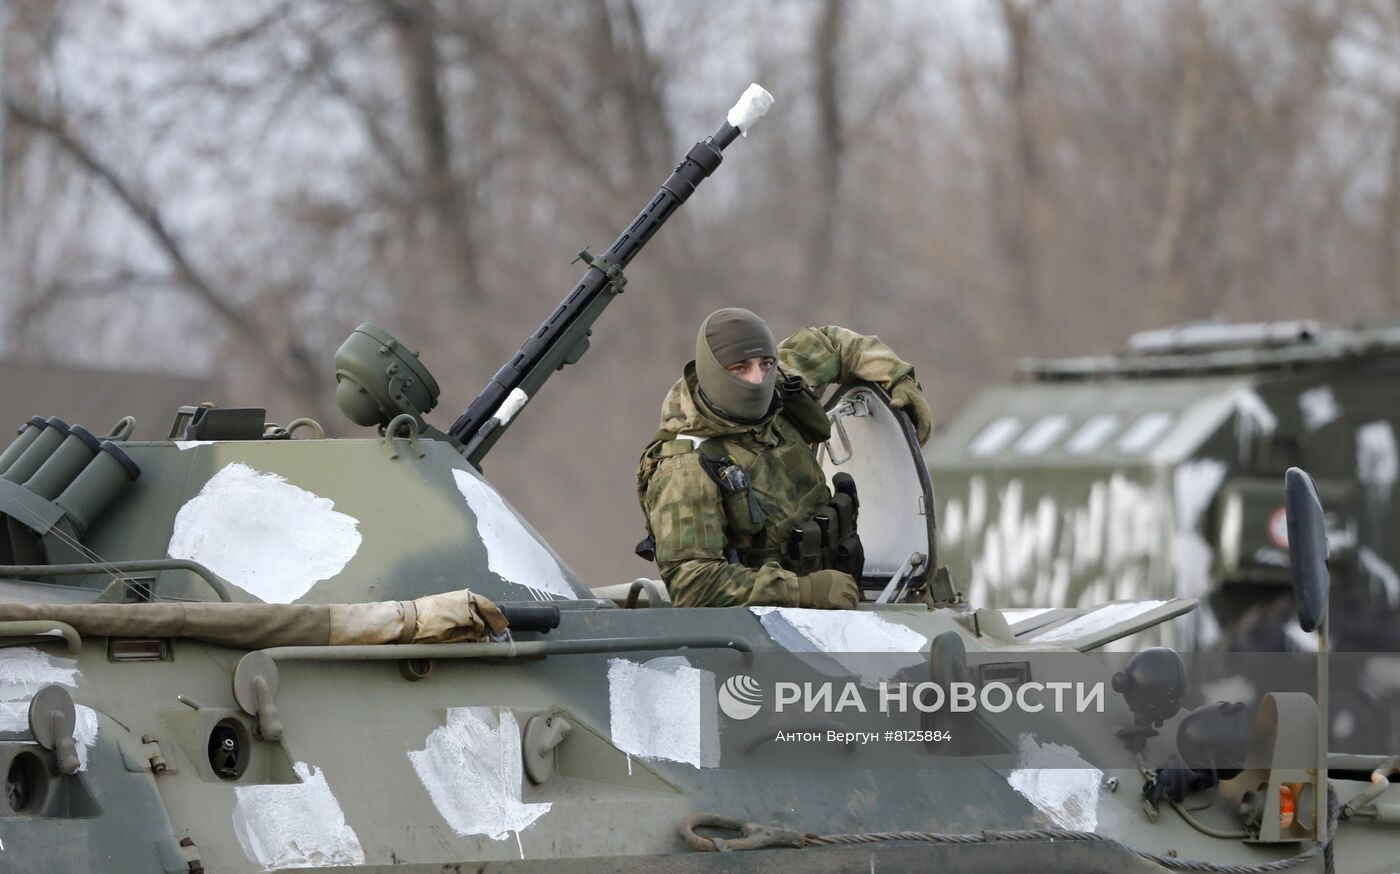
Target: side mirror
[[1307, 548]]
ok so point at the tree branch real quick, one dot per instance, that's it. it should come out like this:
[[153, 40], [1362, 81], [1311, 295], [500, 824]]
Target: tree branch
[[141, 209], [1186, 139], [146, 214], [477, 35]]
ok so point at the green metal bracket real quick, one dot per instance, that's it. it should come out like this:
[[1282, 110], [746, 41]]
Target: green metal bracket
[[399, 423], [617, 280], [39, 630]]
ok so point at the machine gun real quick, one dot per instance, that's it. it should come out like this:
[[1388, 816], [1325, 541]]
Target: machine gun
[[563, 337]]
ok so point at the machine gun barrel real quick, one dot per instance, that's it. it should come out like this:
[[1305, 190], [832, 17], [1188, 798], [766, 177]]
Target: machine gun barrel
[[563, 337]]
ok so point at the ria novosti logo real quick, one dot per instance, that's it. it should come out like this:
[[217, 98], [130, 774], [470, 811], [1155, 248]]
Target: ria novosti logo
[[740, 697]]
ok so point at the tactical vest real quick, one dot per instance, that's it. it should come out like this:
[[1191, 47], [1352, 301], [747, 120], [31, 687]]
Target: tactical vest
[[824, 537]]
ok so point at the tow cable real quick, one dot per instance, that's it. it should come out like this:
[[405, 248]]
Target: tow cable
[[756, 836]]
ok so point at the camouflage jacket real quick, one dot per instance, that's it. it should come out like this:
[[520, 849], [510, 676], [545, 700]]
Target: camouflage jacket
[[685, 508]]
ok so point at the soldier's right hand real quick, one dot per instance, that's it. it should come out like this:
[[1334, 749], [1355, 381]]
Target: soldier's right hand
[[827, 590]]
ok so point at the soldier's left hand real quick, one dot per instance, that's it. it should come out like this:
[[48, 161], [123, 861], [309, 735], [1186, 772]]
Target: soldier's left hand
[[906, 396]]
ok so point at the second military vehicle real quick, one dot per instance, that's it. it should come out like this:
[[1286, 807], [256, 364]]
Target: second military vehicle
[[1154, 473]]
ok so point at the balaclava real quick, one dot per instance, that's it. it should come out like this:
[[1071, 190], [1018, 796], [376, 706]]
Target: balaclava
[[727, 337]]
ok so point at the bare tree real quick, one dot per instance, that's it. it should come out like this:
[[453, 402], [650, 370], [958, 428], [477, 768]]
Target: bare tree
[[1027, 220], [441, 185], [829, 144], [1165, 278]]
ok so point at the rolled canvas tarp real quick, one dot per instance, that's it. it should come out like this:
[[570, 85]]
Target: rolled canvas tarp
[[448, 617]]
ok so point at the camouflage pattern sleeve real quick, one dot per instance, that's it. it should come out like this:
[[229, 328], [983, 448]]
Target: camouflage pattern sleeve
[[686, 514], [822, 356]]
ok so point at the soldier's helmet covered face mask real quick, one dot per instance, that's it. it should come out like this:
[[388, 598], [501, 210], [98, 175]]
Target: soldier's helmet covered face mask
[[727, 337]]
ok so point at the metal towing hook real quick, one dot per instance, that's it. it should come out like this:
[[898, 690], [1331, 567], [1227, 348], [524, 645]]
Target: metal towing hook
[[753, 835]]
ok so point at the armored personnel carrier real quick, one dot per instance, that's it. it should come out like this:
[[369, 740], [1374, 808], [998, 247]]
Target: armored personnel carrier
[[247, 647], [1154, 473]]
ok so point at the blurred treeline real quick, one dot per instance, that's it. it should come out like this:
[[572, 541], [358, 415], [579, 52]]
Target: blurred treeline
[[229, 188]]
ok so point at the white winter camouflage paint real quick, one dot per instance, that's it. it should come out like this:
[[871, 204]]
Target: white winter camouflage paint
[[1092, 434], [1195, 485], [14, 717], [1253, 419], [1318, 407], [951, 523], [838, 630], [264, 534], [1301, 640], [297, 825], [1059, 783], [1144, 433], [471, 768], [513, 553], [1096, 620], [1382, 572], [835, 632], [1376, 462], [1022, 614], [664, 709], [1030, 554], [25, 670], [994, 437]]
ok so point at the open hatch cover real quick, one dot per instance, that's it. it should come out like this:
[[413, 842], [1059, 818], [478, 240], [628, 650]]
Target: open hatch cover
[[1091, 627]]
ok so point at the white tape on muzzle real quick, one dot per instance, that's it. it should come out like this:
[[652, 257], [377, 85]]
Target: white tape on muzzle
[[752, 106]]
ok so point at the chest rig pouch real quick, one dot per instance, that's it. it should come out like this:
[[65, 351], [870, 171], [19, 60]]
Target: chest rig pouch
[[741, 510], [828, 540], [743, 516]]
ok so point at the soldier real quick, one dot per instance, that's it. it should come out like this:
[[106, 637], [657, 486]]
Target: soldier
[[737, 506]]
